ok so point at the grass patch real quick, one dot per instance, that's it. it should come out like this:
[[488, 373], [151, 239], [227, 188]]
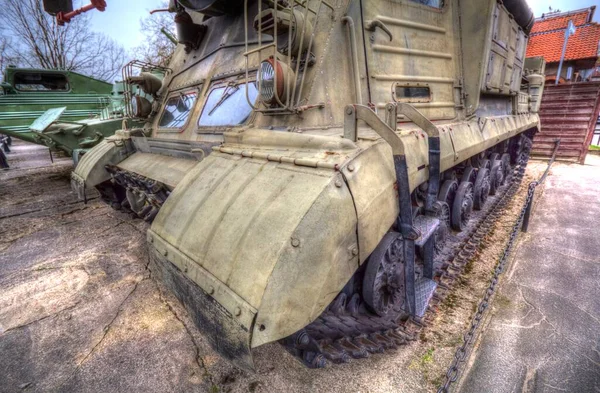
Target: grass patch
[[594, 147], [427, 357], [422, 362]]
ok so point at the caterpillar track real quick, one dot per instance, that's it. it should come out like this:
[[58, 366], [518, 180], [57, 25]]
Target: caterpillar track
[[348, 329]]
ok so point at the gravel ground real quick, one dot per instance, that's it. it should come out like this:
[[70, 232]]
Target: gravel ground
[[80, 312]]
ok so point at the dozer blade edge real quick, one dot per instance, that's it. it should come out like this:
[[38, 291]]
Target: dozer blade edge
[[225, 334]]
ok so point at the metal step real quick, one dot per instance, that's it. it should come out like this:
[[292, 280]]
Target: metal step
[[424, 289], [426, 226]]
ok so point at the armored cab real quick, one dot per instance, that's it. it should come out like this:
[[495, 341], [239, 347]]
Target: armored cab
[[308, 159]]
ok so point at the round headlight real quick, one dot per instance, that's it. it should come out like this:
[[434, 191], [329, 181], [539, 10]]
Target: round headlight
[[140, 107], [267, 81], [275, 78], [299, 26]]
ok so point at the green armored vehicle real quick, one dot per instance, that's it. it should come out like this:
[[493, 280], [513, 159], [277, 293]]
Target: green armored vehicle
[[309, 158], [63, 110]]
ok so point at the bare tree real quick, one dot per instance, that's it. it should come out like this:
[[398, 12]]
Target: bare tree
[[4, 56], [43, 44], [8, 55], [157, 48]]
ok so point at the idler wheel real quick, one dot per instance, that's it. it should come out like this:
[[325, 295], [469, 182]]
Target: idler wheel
[[481, 188], [486, 164], [493, 157], [506, 168], [383, 283], [448, 191], [496, 177], [462, 207]]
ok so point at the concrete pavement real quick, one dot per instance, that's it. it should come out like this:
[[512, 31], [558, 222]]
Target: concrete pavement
[[544, 332]]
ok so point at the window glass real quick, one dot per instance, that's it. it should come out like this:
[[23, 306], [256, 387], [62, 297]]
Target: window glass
[[177, 110], [227, 105], [569, 73], [412, 93], [37, 81], [431, 3]]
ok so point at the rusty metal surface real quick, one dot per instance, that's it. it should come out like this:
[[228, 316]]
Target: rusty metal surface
[[569, 112]]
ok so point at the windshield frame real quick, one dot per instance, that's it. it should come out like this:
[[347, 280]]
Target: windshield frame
[[195, 89], [236, 80]]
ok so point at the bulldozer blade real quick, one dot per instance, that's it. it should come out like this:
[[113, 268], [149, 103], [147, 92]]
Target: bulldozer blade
[[225, 335]]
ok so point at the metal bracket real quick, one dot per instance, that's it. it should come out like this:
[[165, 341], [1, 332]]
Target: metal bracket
[[418, 118], [354, 113]]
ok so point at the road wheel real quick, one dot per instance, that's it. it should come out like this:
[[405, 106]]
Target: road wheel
[[496, 177], [462, 206], [481, 188]]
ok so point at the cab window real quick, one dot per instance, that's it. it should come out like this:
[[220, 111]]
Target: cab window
[[41, 81], [431, 3], [227, 105], [177, 110]]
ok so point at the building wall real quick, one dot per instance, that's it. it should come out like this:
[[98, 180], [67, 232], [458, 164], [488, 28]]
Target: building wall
[[581, 67]]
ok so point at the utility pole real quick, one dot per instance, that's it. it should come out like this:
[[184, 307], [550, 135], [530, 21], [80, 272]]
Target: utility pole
[[569, 32]]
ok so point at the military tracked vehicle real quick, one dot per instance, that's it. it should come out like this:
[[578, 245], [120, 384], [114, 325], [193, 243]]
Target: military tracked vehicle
[[309, 158], [63, 110]]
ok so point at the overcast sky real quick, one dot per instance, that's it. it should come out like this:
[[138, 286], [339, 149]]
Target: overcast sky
[[121, 20]]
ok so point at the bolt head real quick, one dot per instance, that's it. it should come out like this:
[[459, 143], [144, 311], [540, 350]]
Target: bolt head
[[295, 242], [349, 111], [351, 168], [165, 253], [238, 311], [211, 290], [338, 183], [354, 251]]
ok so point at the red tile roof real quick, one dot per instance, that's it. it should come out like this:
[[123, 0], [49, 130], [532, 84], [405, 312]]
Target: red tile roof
[[548, 34], [560, 21], [582, 45]]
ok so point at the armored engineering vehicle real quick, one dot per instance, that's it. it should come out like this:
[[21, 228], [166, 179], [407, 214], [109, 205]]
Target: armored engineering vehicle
[[308, 159], [63, 110]]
